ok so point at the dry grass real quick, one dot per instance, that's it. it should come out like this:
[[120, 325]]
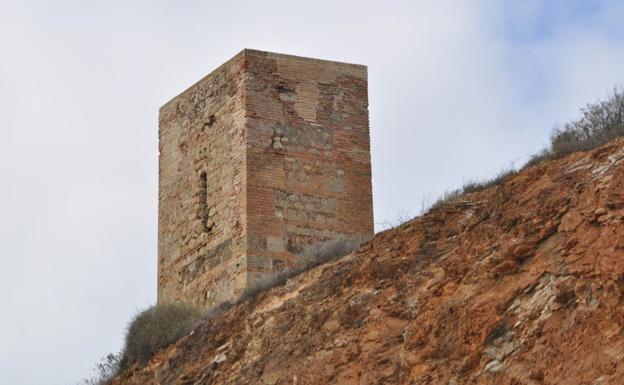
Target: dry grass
[[473, 187], [313, 256]]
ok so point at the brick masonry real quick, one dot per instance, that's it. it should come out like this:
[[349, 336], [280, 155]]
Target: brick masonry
[[266, 155]]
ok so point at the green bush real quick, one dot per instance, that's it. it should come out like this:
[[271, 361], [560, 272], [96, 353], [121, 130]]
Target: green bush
[[156, 328]]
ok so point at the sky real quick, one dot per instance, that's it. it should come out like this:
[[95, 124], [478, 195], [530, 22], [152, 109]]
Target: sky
[[458, 90]]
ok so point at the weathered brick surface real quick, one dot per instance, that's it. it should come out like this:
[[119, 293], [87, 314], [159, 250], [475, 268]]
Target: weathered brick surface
[[264, 156]]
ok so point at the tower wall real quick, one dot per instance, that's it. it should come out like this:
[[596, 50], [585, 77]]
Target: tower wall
[[266, 155], [308, 157], [202, 200]]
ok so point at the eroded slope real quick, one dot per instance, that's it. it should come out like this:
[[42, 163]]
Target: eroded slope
[[519, 284]]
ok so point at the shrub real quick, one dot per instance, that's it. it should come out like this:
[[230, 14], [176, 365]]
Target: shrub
[[539, 158], [266, 283], [156, 328], [330, 250], [600, 123], [313, 256], [216, 311], [160, 325], [105, 370]]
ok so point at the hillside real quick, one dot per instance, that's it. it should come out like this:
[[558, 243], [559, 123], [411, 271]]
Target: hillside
[[522, 283]]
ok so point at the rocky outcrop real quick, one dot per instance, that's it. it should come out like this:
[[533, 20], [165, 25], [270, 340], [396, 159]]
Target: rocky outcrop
[[522, 283]]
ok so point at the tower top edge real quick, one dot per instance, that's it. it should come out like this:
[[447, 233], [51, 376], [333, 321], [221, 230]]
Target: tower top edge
[[249, 52]]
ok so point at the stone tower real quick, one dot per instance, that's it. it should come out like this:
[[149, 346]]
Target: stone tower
[[266, 155]]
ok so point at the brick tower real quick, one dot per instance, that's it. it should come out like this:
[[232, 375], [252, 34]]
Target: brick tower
[[266, 155]]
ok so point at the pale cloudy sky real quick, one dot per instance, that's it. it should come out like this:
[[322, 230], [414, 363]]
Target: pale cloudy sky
[[458, 90]]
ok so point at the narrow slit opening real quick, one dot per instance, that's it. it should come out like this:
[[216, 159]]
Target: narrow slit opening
[[204, 208]]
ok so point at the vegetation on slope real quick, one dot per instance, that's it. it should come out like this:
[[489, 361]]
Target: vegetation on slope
[[161, 325], [157, 327], [149, 331], [518, 284], [599, 123]]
